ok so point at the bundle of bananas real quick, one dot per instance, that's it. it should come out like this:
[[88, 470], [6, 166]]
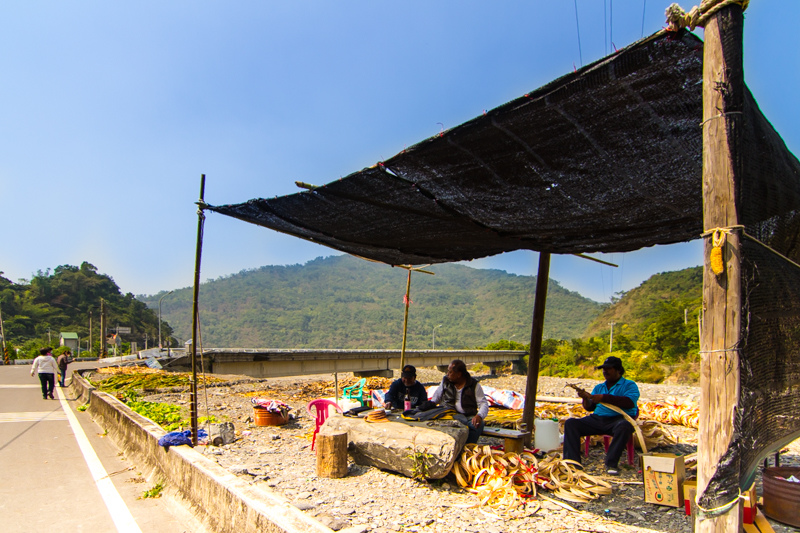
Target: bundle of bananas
[[507, 482], [672, 411]]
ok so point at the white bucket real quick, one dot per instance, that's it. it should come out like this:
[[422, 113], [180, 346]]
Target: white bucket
[[546, 437]]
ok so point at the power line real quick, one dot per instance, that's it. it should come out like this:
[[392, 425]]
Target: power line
[[644, 8], [605, 26], [580, 52]]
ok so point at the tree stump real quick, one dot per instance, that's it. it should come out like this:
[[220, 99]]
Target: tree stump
[[332, 454]]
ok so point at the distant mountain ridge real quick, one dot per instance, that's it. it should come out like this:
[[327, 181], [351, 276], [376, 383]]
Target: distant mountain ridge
[[346, 302]]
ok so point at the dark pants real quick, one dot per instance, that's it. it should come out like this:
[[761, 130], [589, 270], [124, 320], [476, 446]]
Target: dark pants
[[48, 382], [616, 426], [63, 376], [474, 432]]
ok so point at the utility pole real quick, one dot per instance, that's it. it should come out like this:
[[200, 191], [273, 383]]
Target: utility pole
[[3, 336], [611, 337], [103, 347], [91, 344]]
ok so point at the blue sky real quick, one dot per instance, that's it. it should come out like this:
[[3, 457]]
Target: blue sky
[[111, 111]]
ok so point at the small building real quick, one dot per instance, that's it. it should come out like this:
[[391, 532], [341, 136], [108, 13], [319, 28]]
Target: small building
[[70, 340]]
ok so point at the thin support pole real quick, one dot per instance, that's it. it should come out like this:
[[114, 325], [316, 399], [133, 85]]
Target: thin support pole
[[3, 336], [200, 220], [405, 321], [537, 332]]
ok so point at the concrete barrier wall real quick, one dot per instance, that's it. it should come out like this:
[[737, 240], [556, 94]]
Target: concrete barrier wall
[[225, 502]]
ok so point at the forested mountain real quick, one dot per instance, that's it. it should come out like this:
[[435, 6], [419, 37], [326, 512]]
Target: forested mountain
[[346, 302], [36, 312]]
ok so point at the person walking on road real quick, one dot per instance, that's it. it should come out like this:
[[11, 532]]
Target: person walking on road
[[47, 367], [63, 361]]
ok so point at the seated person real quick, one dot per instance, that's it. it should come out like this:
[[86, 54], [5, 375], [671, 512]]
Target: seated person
[[617, 391], [462, 392], [406, 386]]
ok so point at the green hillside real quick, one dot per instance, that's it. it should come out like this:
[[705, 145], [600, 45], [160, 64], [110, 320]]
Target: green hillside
[[345, 302], [655, 333], [67, 299]]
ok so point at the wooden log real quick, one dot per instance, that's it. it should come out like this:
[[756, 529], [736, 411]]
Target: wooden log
[[723, 93], [332, 454]]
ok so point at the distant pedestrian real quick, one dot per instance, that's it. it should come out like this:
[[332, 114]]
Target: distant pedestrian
[[47, 367], [63, 360]]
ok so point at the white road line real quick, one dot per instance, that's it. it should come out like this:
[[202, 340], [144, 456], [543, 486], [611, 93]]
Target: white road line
[[20, 386], [120, 513], [33, 416]]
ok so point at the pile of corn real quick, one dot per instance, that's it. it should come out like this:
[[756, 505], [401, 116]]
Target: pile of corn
[[149, 380], [672, 411], [507, 483]]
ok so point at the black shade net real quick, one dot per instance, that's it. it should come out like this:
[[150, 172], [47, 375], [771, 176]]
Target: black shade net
[[606, 159]]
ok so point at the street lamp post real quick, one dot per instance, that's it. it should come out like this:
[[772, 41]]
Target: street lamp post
[[159, 319], [434, 337]]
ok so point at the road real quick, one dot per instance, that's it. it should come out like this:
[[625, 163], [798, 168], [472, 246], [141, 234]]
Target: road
[[60, 472]]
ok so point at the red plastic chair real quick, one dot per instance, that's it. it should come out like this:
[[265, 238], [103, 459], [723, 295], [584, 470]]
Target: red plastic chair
[[607, 441], [321, 406]]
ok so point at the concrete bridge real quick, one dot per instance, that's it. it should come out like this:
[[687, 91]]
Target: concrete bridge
[[262, 363]]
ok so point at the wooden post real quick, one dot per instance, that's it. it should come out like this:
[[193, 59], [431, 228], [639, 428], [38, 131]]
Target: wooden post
[[723, 94], [332, 454], [537, 331]]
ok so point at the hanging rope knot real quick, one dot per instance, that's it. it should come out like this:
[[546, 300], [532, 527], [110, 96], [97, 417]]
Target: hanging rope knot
[[677, 18]]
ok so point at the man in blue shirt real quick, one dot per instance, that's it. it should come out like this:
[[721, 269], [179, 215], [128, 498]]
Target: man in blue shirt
[[617, 391]]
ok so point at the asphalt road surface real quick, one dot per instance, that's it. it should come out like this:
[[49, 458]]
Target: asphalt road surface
[[59, 472]]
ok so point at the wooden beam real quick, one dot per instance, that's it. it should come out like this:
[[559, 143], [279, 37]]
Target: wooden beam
[[537, 330], [723, 96]]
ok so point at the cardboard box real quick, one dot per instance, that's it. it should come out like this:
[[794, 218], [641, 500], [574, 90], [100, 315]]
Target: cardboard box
[[663, 474]]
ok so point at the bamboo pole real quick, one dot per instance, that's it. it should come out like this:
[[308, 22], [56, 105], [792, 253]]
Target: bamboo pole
[[723, 96], [405, 321], [200, 220], [537, 331], [408, 303]]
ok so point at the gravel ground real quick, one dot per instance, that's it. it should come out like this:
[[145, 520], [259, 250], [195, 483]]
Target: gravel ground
[[368, 499]]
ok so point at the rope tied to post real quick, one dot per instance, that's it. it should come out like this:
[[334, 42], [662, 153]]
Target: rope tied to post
[[677, 18], [718, 237]]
